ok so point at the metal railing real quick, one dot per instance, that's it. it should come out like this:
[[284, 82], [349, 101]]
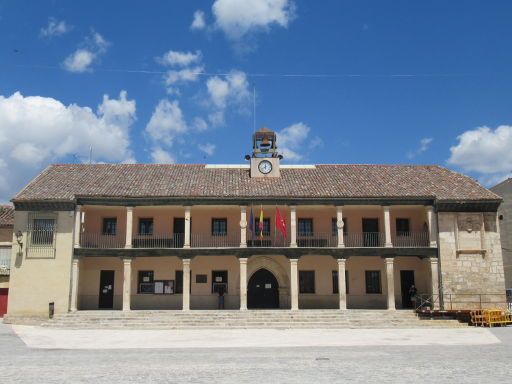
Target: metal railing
[[102, 241], [209, 240], [158, 240], [316, 240], [464, 301], [364, 239], [411, 239], [267, 241]]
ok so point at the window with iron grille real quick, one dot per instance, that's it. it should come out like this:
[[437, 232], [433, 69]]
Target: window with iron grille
[[110, 226], [146, 282], [306, 281], [41, 235], [219, 227], [373, 282], [305, 227]]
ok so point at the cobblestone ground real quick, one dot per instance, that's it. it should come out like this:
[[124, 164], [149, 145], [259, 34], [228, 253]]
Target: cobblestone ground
[[423, 364]]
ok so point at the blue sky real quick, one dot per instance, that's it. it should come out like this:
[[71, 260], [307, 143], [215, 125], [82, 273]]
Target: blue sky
[[341, 81]]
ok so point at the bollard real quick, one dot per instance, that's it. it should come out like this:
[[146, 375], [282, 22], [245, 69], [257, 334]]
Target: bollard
[[51, 309]]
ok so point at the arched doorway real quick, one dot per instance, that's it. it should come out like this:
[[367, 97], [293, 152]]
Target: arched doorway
[[263, 290]]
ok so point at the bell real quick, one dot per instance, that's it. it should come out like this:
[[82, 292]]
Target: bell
[[265, 142]]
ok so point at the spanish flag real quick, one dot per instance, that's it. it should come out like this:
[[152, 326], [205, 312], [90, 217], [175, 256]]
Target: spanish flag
[[260, 224]]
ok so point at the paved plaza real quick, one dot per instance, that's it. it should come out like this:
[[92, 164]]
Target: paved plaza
[[454, 355]]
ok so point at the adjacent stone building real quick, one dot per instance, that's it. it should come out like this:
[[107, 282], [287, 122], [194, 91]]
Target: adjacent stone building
[[504, 189], [256, 235], [6, 225]]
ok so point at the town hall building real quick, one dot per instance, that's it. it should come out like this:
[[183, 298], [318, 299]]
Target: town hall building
[[251, 236]]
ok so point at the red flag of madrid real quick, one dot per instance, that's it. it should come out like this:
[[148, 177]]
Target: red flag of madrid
[[280, 223]]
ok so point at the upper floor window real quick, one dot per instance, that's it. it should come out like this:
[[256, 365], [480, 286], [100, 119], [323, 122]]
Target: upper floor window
[[146, 226], [219, 227], [42, 231], [110, 226], [266, 226], [305, 227], [402, 227], [334, 226]]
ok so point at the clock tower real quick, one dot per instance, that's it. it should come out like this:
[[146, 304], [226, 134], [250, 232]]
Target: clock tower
[[265, 159]]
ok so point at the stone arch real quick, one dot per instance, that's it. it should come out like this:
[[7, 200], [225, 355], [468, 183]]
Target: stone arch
[[256, 263]]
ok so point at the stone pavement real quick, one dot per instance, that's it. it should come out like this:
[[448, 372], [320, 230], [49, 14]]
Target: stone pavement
[[466, 363]]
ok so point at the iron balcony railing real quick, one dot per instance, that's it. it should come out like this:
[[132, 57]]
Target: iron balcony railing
[[210, 240], [364, 239], [316, 240], [267, 241], [102, 241], [158, 240], [411, 239]]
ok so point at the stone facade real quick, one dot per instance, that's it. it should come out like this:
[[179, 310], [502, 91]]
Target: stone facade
[[504, 189], [470, 260]]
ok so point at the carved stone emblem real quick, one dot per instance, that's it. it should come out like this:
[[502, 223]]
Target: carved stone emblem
[[340, 224], [469, 223], [243, 224]]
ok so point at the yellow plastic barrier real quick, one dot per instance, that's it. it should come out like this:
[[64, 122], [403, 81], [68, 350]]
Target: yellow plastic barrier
[[490, 317]]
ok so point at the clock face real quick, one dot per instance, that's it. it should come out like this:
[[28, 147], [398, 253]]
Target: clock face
[[265, 167]]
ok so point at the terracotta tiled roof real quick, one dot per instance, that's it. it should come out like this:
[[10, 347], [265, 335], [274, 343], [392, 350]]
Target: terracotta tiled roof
[[65, 182], [6, 215]]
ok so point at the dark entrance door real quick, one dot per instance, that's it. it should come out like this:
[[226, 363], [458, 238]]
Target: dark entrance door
[[263, 290], [106, 290], [406, 280], [371, 233], [179, 232]]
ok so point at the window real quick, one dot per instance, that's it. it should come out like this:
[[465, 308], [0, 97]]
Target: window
[[219, 227], [146, 226], [334, 226], [335, 285], [373, 282], [402, 227], [179, 281], [146, 282], [42, 231], [219, 281], [110, 226], [305, 227], [266, 226], [306, 281]]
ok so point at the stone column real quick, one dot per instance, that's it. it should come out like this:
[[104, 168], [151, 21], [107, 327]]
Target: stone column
[[75, 270], [387, 227], [293, 226], [186, 284], [243, 284], [342, 286], [432, 227], [127, 284], [434, 272], [294, 284], [390, 279], [339, 225], [186, 240], [129, 227], [243, 226], [78, 225]]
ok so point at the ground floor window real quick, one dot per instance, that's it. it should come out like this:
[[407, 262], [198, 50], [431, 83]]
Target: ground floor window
[[373, 284], [219, 282], [306, 281], [146, 282]]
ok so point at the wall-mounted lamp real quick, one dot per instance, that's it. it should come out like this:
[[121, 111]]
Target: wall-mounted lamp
[[247, 157], [19, 238]]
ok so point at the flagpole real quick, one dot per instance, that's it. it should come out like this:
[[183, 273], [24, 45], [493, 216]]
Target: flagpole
[[275, 216]]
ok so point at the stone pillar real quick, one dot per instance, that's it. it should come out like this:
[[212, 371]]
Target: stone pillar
[[243, 284], [129, 227], [186, 284], [127, 284], [387, 227], [293, 226], [342, 286], [243, 226], [434, 272], [294, 284], [186, 240], [78, 225], [339, 225], [432, 227], [75, 270], [390, 279]]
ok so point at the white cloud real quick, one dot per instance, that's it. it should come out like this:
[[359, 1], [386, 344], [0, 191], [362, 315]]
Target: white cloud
[[200, 124], [36, 130], [198, 22], [161, 156], [424, 145], [180, 59], [229, 91], [55, 28], [166, 123], [485, 151], [208, 148], [82, 59], [292, 139], [238, 18]]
